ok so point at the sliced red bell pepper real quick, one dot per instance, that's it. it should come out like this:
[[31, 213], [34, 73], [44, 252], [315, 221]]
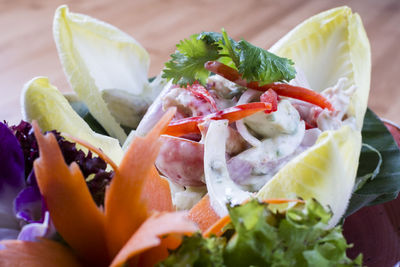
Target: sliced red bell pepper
[[199, 91], [281, 89], [270, 96], [189, 125]]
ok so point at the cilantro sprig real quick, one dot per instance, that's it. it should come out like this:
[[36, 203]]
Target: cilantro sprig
[[253, 63]]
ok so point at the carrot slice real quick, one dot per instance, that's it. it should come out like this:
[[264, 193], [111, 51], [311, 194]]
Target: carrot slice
[[73, 211], [217, 227], [124, 207], [161, 201], [45, 253], [149, 236], [203, 214], [157, 193]]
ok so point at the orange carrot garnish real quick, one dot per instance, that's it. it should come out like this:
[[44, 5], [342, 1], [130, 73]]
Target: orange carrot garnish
[[203, 214], [157, 193], [124, 207], [91, 148], [36, 254], [149, 236], [69, 201]]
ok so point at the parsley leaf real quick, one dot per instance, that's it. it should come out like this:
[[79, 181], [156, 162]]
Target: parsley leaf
[[187, 63], [254, 63], [257, 64]]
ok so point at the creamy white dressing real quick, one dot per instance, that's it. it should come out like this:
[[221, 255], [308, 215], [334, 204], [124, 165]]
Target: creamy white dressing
[[223, 87], [276, 138], [187, 104], [255, 166], [283, 121], [221, 189], [339, 97]]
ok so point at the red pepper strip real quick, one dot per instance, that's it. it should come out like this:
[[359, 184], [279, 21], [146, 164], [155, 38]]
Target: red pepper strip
[[189, 125], [300, 93], [202, 93], [270, 96], [282, 89]]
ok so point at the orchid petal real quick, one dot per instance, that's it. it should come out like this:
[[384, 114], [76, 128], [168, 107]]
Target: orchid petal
[[29, 205], [11, 176], [11, 159], [33, 231]]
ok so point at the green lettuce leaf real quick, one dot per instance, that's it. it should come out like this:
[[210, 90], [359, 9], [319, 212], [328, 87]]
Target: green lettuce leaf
[[259, 237], [197, 251]]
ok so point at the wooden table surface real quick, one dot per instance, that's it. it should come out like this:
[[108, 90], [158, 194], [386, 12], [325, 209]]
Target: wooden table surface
[[27, 48]]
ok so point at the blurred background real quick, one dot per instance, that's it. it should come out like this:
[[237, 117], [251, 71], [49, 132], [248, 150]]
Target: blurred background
[[27, 48]]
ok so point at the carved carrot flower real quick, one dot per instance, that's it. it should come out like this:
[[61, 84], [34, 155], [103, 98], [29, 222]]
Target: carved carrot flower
[[136, 223]]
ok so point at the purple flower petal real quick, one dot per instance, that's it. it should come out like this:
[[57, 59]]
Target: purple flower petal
[[31, 180], [32, 231], [11, 160], [29, 205], [11, 176]]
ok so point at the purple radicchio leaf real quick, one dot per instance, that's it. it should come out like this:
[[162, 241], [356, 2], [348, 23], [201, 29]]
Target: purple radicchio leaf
[[89, 165], [11, 176]]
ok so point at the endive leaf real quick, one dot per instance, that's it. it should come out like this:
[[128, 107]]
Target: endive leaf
[[329, 46], [42, 102], [325, 172], [97, 56]]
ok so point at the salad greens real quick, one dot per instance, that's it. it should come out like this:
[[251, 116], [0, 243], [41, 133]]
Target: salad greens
[[259, 237], [254, 63]]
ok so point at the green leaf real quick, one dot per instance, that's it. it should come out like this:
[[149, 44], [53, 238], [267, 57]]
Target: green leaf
[[386, 183], [259, 237], [255, 237], [370, 165], [187, 63], [257, 64], [295, 238], [197, 251]]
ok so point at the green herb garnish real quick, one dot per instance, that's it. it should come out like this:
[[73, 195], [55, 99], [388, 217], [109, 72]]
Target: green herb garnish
[[253, 63]]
